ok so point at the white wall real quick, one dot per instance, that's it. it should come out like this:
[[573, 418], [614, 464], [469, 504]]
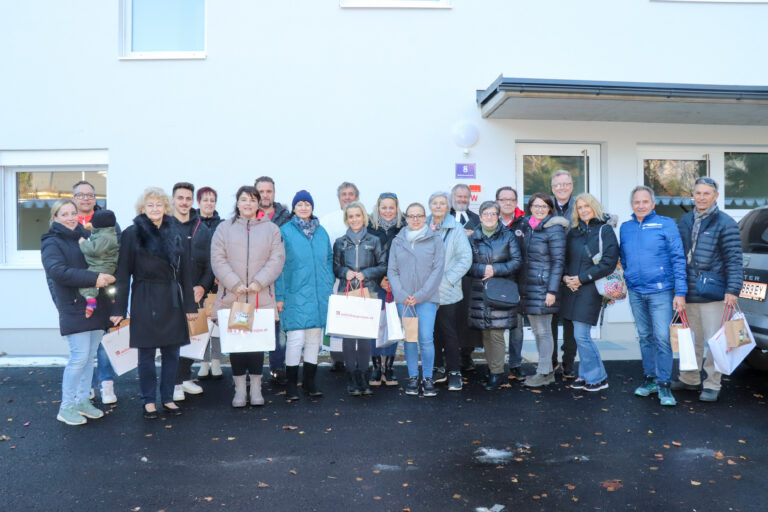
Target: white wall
[[313, 94]]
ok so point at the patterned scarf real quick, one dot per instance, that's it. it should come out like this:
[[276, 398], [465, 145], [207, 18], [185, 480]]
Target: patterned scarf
[[386, 225], [698, 218], [307, 226]]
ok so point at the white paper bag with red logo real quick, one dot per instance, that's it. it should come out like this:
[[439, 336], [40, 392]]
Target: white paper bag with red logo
[[116, 344], [197, 345], [353, 317], [261, 337], [727, 359]]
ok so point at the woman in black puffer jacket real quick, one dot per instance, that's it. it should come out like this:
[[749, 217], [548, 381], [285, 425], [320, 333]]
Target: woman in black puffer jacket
[[543, 247], [495, 253]]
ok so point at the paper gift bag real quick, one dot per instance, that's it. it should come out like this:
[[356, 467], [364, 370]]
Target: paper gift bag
[[673, 327], [210, 299], [333, 343], [353, 317], [197, 344], [384, 339], [394, 325], [240, 316], [728, 359], [410, 325], [199, 325], [261, 338], [737, 332], [686, 349], [116, 344]]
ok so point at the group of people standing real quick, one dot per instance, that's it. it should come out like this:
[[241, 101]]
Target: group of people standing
[[466, 277]]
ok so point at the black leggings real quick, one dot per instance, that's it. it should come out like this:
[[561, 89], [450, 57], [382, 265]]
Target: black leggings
[[357, 353], [252, 362], [447, 336]]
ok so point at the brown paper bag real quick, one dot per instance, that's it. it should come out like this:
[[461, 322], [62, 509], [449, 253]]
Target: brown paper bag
[[673, 336], [736, 333], [210, 299], [410, 326], [200, 325], [123, 323], [359, 292], [241, 316]]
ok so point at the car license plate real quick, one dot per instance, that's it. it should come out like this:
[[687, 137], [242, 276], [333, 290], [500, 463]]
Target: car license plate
[[753, 291]]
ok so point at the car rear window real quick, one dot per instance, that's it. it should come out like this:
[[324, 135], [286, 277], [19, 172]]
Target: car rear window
[[754, 231]]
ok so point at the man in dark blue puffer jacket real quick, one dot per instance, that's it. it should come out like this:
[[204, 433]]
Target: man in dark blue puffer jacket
[[713, 249]]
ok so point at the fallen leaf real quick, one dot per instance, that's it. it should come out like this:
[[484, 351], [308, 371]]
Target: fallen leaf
[[537, 391], [612, 485], [290, 427], [263, 485], [675, 443], [147, 435], [564, 445], [359, 479], [731, 462], [376, 471], [405, 485], [737, 477], [4, 438], [269, 459], [208, 498], [666, 446], [457, 496], [544, 495], [475, 442], [694, 482], [293, 472], [756, 395], [598, 433], [231, 438], [407, 509], [742, 441], [169, 426], [654, 468], [536, 497], [718, 455], [574, 499], [650, 432], [532, 475], [570, 487], [377, 497]]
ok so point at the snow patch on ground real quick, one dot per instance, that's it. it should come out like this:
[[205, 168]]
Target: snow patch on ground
[[493, 455]]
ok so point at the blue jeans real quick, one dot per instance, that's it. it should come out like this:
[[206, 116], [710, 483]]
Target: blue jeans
[[516, 344], [148, 374], [591, 367], [277, 356], [425, 312], [653, 314], [104, 370], [76, 383]]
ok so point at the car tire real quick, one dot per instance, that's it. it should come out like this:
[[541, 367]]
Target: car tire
[[758, 359]]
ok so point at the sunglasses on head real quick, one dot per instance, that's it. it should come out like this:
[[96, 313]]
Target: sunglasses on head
[[388, 195]]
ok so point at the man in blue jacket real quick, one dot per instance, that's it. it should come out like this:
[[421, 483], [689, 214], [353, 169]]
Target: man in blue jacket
[[712, 246], [654, 269]]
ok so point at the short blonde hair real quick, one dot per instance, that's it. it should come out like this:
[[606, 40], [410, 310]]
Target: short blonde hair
[[58, 206], [355, 204], [153, 193], [592, 202]]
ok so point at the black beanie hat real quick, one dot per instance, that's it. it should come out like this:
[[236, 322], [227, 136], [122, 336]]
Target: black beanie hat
[[103, 219]]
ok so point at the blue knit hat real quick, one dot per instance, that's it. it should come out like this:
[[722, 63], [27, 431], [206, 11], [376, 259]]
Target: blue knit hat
[[302, 195]]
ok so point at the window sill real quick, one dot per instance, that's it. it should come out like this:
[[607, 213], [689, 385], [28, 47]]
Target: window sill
[[164, 56], [398, 4], [21, 266]]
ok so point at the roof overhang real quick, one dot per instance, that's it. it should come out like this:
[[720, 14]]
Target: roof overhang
[[580, 100]]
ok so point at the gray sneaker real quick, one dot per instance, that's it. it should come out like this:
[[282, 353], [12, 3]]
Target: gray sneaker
[[71, 416], [87, 409], [539, 379], [708, 395], [648, 386]]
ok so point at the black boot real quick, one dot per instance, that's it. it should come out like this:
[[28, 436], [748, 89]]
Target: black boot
[[352, 386], [389, 372], [375, 378], [495, 381], [362, 382], [310, 370], [292, 386]]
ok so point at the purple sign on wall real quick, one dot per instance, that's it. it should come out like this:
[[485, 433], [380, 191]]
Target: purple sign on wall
[[465, 171]]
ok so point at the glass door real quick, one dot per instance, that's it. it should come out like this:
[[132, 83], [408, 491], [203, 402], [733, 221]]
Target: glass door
[[672, 174]]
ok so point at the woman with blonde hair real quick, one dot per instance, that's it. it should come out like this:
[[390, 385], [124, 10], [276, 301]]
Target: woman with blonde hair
[[385, 222], [67, 271], [359, 261], [154, 265], [592, 252]]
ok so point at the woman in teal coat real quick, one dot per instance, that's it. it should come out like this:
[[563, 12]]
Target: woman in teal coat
[[302, 292]]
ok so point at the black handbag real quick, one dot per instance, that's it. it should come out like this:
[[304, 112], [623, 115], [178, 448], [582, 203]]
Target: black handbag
[[500, 293], [710, 286]]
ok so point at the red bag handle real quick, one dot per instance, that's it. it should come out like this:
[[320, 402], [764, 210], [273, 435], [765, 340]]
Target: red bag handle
[[727, 312], [362, 288]]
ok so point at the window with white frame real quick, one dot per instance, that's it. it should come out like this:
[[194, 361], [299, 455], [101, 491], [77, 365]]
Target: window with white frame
[[162, 29], [412, 4], [32, 182]]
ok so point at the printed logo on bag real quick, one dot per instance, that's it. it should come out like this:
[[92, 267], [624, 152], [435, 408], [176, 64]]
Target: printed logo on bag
[[241, 318], [360, 317], [121, 352]]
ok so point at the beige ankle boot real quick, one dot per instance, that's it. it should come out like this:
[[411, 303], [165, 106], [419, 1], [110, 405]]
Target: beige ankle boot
[[256, 398], [240, 394]]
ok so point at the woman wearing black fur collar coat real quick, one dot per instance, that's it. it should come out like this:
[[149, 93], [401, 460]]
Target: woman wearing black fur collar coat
[[152, 254]]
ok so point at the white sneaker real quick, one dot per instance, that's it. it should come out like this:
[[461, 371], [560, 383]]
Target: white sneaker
[[108, 392], [204, 371], [216, 367], [178, 393], [190, 387]]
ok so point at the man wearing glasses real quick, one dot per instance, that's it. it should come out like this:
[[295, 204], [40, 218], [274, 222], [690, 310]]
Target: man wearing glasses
[[712, 246], [84, 196], [562, 191]]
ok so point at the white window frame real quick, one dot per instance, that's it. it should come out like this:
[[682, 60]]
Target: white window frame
[[13, 162], [716, 154], [396, 4], [126, 29]]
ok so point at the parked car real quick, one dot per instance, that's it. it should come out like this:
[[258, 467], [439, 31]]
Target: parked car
[[752, 300]]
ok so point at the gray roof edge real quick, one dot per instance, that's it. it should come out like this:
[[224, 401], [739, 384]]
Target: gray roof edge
[[650, 89]]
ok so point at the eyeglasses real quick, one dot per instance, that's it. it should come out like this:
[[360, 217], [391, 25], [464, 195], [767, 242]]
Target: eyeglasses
[[506, 200], [85, 196], [539, 207], [388, 195], [414, 217], [562, 185], [488, 215]]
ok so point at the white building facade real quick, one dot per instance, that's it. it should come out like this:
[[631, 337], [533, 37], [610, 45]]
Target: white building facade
[[137, 93]]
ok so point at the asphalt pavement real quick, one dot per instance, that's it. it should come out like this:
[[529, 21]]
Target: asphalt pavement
[[513, 449]]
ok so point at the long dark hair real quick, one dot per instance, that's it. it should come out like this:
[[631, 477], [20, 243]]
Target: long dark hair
[[245, 189], [544, 197]]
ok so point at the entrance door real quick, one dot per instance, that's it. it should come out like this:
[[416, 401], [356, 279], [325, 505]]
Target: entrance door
[[535, 164], [671, 173]]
